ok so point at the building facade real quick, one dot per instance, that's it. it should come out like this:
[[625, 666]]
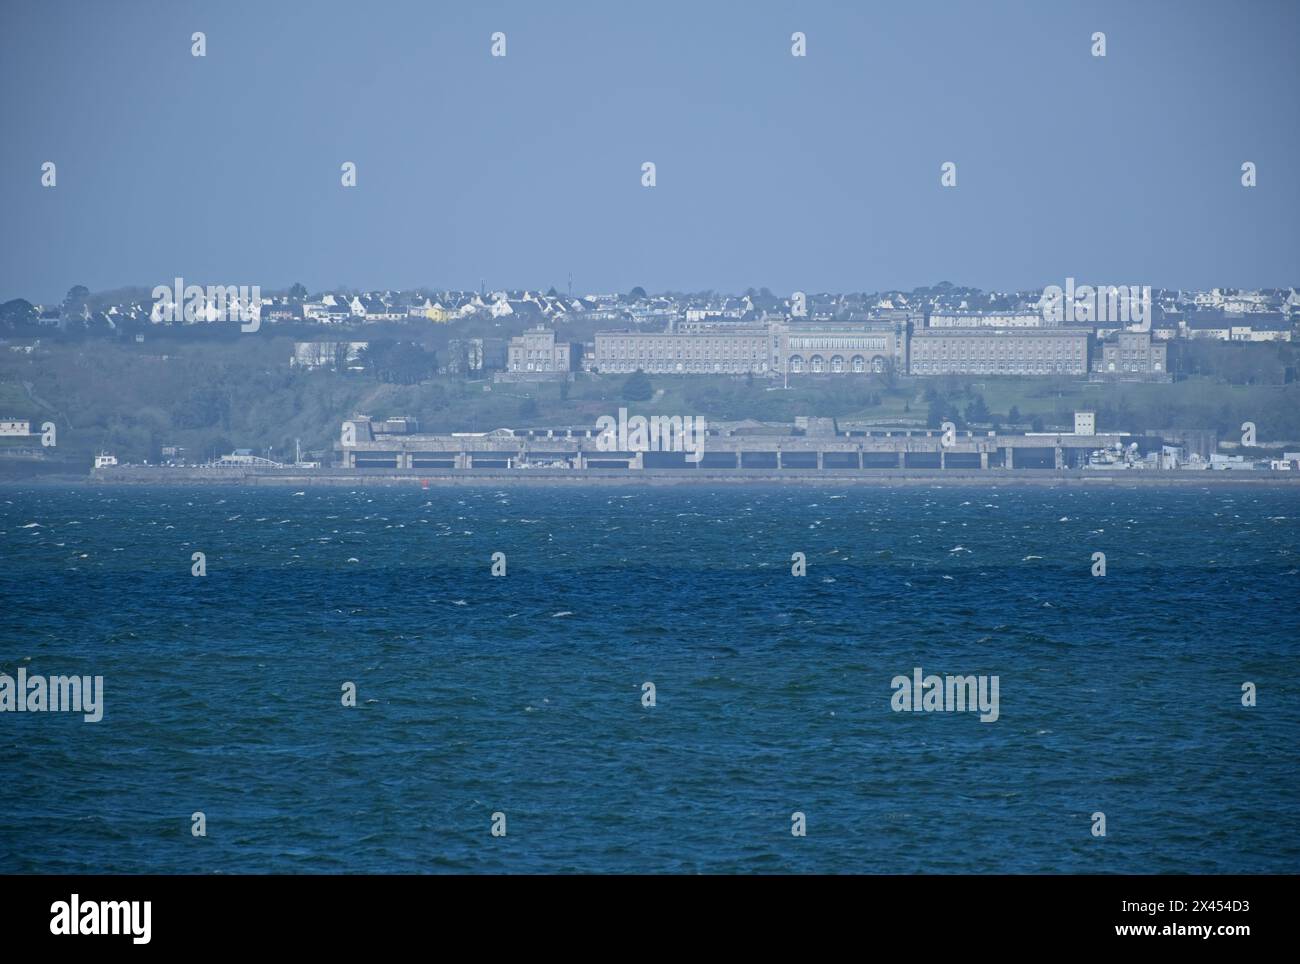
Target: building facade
[[731, 350], [1000, 351], [536, 350], [775, 348], [1134, 354], [840, 348]]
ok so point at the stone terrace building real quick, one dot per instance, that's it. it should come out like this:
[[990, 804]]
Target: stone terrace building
[[536, 350], [1133, 354], [1000, 351], [840, 348], [799, 348], [734, 351]]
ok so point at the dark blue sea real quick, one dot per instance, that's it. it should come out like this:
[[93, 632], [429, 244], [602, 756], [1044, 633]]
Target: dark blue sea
[[522, 694]]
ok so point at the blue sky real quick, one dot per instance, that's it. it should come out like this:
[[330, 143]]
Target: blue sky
[[814, 173]]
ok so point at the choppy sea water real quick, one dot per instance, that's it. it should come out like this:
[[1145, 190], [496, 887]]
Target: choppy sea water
[[523, 694]]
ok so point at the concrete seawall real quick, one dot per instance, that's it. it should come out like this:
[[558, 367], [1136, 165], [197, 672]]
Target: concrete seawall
[[147, 475]]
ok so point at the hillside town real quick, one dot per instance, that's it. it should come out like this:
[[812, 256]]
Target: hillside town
[[237, 377], [524, 334]]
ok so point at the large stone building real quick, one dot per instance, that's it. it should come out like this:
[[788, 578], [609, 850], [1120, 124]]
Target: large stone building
[[870, 345], [776, 348], [840, 348], [536, 350], [1000, 351], [1133, 354], [723, 350]]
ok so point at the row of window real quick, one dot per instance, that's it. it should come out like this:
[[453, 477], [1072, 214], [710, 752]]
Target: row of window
[[680, 354], [604, 344], [980, 367], [987, 354], [817, 364], [875, 343], [1134, 367], [669, 367]]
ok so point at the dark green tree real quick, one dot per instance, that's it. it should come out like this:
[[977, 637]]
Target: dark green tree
[[17, 312], [637, 388], [977, 412], [398, 362]]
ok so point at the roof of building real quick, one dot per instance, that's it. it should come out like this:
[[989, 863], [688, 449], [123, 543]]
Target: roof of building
[[989, 332]]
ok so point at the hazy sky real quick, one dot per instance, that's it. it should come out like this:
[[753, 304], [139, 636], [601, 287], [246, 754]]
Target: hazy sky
[[816, 173]]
